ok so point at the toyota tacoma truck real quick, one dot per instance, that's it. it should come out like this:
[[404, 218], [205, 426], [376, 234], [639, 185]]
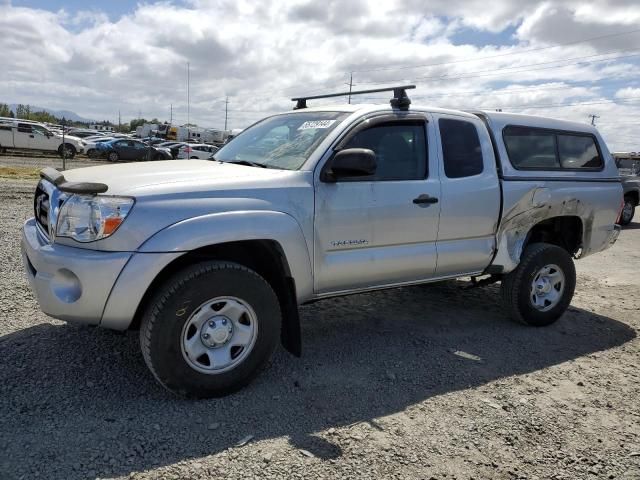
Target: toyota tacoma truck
[[28, 135], [210, 260]]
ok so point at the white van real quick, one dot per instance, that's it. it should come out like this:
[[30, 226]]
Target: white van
[[28, 135]]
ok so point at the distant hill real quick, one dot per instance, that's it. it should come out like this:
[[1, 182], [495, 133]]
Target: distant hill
[[69, 115]]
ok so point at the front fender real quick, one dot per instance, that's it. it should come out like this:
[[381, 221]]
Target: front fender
[[217, 228]]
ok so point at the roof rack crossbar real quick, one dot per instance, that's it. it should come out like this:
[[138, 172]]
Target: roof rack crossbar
[[400, 99]]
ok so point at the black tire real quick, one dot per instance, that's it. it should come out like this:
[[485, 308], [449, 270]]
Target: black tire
[[628, 211], [193, 158], [516, 286], [71, 150], [171, 308], [93, 153], [113, 156]]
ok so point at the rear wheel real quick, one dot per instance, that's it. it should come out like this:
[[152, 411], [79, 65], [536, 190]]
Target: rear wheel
[[113, 156], [628, 211], [210, 329], [93, 153], [540, 289]]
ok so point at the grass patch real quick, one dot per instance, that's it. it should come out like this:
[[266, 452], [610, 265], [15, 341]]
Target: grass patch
[[19, 172]]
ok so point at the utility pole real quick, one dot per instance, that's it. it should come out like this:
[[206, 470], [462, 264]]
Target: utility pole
[[188, 106], [119, 121], [226, 112], [64, 147], [171, 114], [350, 85], [593, 119]]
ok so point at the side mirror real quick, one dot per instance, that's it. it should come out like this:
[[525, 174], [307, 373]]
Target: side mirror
[[351, 162]]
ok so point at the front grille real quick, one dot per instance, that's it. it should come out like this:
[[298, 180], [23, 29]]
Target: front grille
[[41, 206]]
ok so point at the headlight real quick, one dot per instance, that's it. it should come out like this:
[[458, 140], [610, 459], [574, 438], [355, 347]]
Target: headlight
[[88, 218]]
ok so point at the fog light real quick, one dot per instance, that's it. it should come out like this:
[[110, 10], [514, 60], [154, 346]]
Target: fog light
[[65, 285]]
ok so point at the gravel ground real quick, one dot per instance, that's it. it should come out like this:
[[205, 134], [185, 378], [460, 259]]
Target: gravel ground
[[422, 382]]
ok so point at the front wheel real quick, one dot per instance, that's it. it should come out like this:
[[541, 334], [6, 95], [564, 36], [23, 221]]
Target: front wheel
[[67, 151], [540, 289], [628, 211], [113, 156], [210, 329]]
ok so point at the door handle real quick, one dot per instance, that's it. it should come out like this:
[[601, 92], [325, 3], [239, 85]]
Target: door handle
[[425, 199]]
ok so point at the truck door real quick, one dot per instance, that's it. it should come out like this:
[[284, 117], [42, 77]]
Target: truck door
[[379, 229], [23, 136], [470, 198], [43, 139]]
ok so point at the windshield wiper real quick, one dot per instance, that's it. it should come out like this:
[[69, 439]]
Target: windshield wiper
[[248, 163]]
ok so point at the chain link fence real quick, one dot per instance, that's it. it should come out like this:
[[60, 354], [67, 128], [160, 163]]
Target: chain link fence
[[30, 161]]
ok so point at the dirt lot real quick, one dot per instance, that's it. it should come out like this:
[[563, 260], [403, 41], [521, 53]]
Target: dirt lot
[[422, 382], [45, 160]]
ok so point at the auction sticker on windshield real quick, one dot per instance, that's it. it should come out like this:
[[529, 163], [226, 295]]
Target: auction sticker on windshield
[[316, 124]]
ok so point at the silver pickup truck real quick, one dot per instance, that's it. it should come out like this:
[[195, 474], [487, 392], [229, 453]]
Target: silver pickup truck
[[210, 259], [29, 135]]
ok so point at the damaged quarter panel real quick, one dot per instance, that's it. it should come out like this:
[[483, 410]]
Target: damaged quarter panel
[[531, 196]]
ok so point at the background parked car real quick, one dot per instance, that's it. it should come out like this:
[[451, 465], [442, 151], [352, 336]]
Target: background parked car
[[197, 150], [629, 169], [91, 145], [83, 133], [173, 147], [153, 140], [124, 149]]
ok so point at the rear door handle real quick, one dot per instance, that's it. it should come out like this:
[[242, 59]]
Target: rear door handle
[[425, 199]]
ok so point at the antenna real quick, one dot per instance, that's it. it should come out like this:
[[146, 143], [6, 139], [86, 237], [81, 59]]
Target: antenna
[[400, 99], [593, 119]]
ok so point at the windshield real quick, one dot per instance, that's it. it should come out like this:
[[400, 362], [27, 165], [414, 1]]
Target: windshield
[[283, 141]]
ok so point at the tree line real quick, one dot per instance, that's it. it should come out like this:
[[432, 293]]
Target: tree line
[[27, 112]]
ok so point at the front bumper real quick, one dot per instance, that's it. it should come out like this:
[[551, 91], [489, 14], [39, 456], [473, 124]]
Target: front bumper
[[71, 284]]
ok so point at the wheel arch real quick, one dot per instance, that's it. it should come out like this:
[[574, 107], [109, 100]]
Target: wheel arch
[[264, 256], [634, 195], [272, 243], [565, 231]]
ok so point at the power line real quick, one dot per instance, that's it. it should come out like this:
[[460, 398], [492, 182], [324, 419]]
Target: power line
[[486, 92], [561, 105], [516, 69], [406, 67]]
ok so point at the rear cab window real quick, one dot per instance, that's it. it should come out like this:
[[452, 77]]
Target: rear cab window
[[461, 149], [532, 148]]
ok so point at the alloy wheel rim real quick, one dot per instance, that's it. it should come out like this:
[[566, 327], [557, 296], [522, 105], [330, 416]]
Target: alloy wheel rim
[[219, 335], [547, 287]]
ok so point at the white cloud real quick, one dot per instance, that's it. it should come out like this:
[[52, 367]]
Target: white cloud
[[261, 53]]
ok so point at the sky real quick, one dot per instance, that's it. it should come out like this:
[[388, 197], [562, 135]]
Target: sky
[[559, 58]]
